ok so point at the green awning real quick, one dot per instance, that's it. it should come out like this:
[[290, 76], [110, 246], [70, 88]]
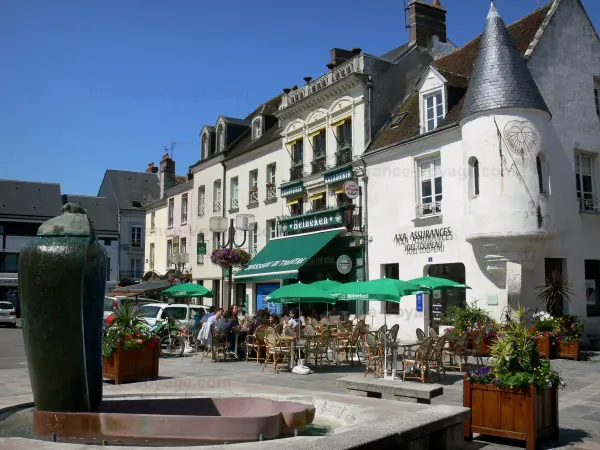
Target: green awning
[[282, 257]]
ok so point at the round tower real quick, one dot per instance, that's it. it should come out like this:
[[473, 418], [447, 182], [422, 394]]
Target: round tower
[[505, 129]]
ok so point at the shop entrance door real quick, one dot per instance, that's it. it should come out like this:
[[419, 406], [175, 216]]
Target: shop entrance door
[[442, 299]]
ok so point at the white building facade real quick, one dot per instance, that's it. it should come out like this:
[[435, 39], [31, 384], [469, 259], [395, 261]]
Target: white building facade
[[489, 177]]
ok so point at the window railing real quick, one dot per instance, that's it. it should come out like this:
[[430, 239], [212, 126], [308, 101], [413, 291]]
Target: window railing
[[199, 259], [235, 203], [588, 205], [343, 156], [253, 250], [201, 209], [217, 206], [136, 243], [131, 274], [271, 191], [429, 209], [296, 171], [253, 197], [318, 164], [169, 261], [184, 218]]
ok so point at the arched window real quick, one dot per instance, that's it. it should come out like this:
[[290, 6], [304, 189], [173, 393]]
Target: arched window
[[256, 128], [220, 138], [473, 177], [540, 173], [204, 145]]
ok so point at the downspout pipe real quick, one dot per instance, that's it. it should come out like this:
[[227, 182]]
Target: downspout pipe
[[223, 205]]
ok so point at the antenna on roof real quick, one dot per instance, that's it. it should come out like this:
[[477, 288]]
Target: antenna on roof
[[170, 149]]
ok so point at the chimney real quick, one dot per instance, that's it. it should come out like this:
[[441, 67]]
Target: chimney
[[425, 21], [167, 174], [339, 56], [152, 168]]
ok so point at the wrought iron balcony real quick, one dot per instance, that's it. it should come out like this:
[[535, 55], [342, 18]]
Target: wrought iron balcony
[[201, 209], [429, 209], [589, 206], [235, 203], [199, 259], [253, 197], [135, 274], [318, 165], [296, 172], [343, 156], [217, 206], [271, 191]]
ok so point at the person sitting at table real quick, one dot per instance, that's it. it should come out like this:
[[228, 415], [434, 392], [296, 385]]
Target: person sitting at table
[[315, 315], [205, 317], [292, 321], [273, 320], [224, 326], [204, 335]]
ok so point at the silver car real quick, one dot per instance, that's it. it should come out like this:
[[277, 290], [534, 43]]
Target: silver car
[[8, 315]]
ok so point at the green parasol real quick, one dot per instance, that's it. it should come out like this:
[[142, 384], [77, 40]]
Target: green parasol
[[183, 290], [326, 285], [300, 293], [367, 290], [434, 283]]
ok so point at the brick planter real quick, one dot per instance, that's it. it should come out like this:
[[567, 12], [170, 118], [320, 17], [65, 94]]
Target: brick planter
[[132, 364], [525, 415], [569, 350], [546, 347]]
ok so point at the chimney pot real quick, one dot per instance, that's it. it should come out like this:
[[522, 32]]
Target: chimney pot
[[331, 66], [340, 56], [287, 90], [357, 50], [307, 79], [437, 3]]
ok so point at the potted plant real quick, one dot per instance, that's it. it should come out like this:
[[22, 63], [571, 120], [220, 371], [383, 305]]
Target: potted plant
[[130, 351], [555, 293], [516, 395], [568, 331], [543, 331], [227, 258], [472, 319]]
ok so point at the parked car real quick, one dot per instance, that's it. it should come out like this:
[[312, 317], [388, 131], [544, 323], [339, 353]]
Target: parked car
[[184, 314], [112, 303], [8, 315]]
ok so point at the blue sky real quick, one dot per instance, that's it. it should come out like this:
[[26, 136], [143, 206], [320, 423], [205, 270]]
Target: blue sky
[[87, 85]]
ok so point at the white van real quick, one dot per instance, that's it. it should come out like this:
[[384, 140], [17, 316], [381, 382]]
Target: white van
[[112, 303], [183, 313]]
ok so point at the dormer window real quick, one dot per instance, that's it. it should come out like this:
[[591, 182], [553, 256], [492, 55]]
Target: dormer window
[[434, 110], [256, 128], [220, 138], [205, 149]]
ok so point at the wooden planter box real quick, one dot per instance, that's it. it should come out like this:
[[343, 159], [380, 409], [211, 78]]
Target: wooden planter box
[[546, 347], [132, 364], [524, 415], [486, 347], [568, 350]]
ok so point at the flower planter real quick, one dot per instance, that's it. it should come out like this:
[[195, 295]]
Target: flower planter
[[568, 350], [486, 347], [132, 364], [546, 347], [525, 415]]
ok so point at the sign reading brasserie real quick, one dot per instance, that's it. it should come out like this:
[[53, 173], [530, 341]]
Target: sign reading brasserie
[[280, 263], [293, 189], [341, 175], [318, 220], [424, 241]]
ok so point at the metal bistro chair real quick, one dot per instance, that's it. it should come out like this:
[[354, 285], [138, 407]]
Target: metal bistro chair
[[436, 359], [372, 354], [420, 362], [277, 350], [256, 343], [319, 348], [432, 333], [420, 335], [457, 353]]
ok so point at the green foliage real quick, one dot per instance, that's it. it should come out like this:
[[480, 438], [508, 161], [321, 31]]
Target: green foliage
[[128, 330], [468, 318], [555, 293]]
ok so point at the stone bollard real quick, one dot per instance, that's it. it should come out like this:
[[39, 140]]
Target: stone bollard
[[62, 279]]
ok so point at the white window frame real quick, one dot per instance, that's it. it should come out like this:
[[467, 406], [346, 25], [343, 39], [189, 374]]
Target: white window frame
[[183, 245], [257, 130], [139, 267], [271, 229], [253, 240], [217, 205], [169, 253], [220, 137], [437, 209], [136, 229], [424, 109], [235, 193], [587, 199], [201, 200], [184, 208], [171, 213]]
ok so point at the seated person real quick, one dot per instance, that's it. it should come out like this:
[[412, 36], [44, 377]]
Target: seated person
[[205, 317], [224, 326], [273, 320], [204, 334], [292, 321]]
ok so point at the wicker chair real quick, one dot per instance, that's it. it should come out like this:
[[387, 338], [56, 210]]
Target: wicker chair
[[420, 362], [373, 356], [420, 335], [432, 333], [352, 346], [475, 351], [277, 350], [255, 343], [318, 348], [436, 359], [218, 347], [457, 352]]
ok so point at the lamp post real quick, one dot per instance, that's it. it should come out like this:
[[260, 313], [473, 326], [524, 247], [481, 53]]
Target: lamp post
[[218, 224]]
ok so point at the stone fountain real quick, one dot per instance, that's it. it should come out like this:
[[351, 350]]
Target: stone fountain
[[62, 277]]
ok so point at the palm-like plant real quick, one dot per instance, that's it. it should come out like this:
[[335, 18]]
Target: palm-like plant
[[127, 316], [555, 293]]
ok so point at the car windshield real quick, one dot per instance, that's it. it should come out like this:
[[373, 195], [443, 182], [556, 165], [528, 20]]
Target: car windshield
[[177, 312], [6, 305], [148, 311], [108, 304]]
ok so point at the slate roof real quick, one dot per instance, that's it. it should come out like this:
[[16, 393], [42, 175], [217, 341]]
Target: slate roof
[[457, 68], [101, 211], [129, 188], [500, 78], [30, 199]]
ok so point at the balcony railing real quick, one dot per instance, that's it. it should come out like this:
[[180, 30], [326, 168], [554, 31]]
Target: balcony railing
[[201, 209], [217, 206], [271, 191], [318, 165], [589, 206], [253, 250], [184, 218], [199, 259], [429, 209], [235, 203], [135, 274], [136, 244], [343, 157], [348, 216], [253, 197], [296, 172]]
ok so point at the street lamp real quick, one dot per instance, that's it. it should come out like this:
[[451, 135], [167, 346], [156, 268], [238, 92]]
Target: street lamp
[[218, 224]]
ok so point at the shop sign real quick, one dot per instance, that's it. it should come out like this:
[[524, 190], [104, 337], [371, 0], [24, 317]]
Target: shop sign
[[321, 261], [201, 248], [419, 302], [9, 281], [292, 190], [341, 175], [279, 263], [318, 220], [344, 264], [351, 189], [424, 241]]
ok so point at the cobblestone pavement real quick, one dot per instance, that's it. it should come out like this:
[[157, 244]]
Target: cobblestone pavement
[[579, 403]]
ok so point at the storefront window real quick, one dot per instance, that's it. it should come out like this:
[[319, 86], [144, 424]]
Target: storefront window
[[9, 262], [592, 278], [442, 299]]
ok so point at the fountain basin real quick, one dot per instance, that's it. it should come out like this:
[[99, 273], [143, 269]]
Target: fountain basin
[[179, 421]]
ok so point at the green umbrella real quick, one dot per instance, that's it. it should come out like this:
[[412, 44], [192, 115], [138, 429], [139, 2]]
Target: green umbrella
[[326, 285], [434, 283], [367, 290], [300, 293], [183, 290]]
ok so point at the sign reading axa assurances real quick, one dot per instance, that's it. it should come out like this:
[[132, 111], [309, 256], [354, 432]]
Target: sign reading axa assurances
[[280, 263]]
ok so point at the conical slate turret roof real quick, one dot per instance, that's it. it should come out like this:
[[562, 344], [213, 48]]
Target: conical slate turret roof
[[500, 77]]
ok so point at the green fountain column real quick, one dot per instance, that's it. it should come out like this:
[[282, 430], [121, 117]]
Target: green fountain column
[[62, 278]]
